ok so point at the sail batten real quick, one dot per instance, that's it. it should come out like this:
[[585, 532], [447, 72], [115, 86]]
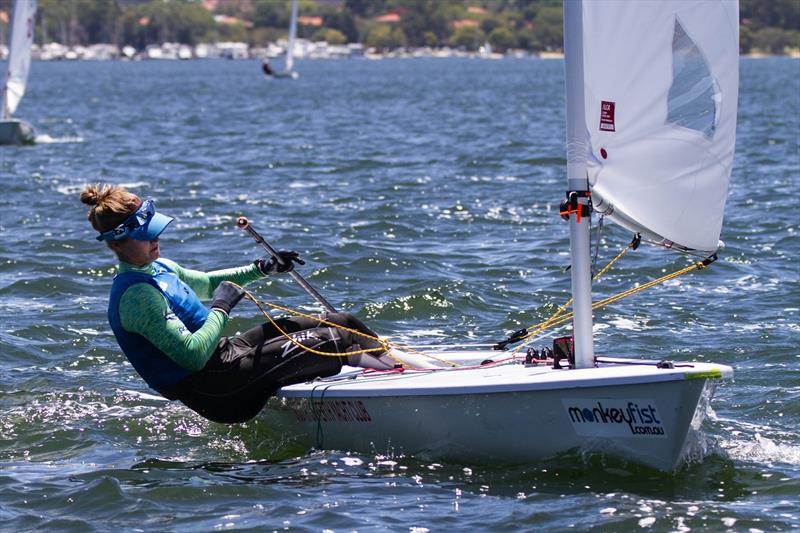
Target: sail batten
[[661, 90]]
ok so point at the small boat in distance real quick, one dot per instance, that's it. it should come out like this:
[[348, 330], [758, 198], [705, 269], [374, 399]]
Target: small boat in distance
[[651, 106], [16, 131], [287, 72]]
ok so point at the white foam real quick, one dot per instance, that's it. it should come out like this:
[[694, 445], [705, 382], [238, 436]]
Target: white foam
[[85, 331], [352, 461], [46, 139], [765, 450], [756, 447], [628, 324]]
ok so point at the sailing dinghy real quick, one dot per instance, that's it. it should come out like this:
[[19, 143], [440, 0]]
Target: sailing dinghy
[[12, 130], [288, 67], [651, 118]]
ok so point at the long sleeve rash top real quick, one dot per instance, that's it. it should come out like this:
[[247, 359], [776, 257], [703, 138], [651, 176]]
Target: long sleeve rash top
[[144, 310]]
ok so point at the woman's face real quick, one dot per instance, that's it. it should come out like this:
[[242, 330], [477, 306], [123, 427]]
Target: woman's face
[[137, 253]]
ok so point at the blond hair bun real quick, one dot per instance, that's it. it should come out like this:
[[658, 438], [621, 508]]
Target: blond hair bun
[[94, 194], [111, 204]]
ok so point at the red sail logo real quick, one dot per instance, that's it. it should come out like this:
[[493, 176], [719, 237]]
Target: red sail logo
[[607, 110]]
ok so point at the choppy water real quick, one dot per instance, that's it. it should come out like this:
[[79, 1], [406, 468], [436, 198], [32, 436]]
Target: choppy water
[[423, 194]]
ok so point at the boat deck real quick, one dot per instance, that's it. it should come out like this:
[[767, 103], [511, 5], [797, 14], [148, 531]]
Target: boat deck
[[500, 376]]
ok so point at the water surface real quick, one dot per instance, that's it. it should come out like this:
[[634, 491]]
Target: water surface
[[423, 194]]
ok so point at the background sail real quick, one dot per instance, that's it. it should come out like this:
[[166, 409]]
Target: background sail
[[661, 88], [292, 36], [19, 59]]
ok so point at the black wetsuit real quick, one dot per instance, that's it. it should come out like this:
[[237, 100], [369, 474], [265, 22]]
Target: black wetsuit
[[247, 369]]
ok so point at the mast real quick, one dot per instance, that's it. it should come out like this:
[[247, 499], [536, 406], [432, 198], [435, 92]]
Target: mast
[[292, 35], [577, 180]]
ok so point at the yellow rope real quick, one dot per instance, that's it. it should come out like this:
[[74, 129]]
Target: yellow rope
[[547, 324], [552, 322], [652, 283], [556, 320], [385, 345]]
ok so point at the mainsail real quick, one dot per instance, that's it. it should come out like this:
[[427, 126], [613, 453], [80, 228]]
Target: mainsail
[[660, 86], [19, 58]]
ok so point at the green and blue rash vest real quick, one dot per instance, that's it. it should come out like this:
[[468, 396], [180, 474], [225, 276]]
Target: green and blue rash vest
[[159, 321]]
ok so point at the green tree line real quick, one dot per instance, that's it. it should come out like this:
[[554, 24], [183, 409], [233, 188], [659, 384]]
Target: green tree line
[[771, 26]]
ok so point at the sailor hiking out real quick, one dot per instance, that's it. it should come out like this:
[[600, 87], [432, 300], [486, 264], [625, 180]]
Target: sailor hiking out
[[177, 345]]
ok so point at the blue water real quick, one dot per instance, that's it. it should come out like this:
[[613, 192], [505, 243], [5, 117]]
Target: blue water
[[423, 194]]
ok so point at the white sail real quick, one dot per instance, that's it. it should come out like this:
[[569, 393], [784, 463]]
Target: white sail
[[19, 57], [661, 89], [292, 36]]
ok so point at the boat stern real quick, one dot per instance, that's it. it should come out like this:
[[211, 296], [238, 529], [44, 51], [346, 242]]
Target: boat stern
[[15, 131]]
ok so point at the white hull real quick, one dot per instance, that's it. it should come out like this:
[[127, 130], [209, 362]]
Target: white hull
[[504, 413], [15, 131], [286, 74]]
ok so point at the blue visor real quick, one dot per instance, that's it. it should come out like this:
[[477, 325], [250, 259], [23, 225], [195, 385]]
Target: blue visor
[[144, 225]]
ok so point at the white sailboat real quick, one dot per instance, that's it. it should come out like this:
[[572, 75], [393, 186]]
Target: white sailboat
[[652, 91], [288, 68], [16, 131]]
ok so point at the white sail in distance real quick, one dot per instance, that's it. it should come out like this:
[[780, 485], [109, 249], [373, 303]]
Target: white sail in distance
[[292, 37], [19, 57], [660, 90]]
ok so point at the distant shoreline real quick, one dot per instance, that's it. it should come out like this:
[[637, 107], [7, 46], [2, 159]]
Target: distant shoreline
[[761, 55], [304, 50]]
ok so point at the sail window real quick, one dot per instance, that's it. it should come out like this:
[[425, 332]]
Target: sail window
[[693, 95]]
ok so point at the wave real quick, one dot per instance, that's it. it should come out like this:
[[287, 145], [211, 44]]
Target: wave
[[46, 139], [756, 443]]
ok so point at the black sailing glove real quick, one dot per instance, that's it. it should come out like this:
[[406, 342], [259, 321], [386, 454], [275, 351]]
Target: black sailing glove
[[269, 266], [226, 297]]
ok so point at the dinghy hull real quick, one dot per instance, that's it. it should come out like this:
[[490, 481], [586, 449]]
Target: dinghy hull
[[508, 413], [16, 131], [285, 75]]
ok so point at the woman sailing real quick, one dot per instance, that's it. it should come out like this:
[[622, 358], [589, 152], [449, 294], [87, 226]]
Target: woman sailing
[[177, 345]]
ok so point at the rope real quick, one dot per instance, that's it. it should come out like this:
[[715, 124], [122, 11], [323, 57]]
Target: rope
[[694, 266], [385, 345], [554, 321], [550, 322], [597, 241]]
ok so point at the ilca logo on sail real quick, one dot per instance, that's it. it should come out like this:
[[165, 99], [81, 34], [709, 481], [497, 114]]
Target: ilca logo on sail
[[615, 418], [607, 112]]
